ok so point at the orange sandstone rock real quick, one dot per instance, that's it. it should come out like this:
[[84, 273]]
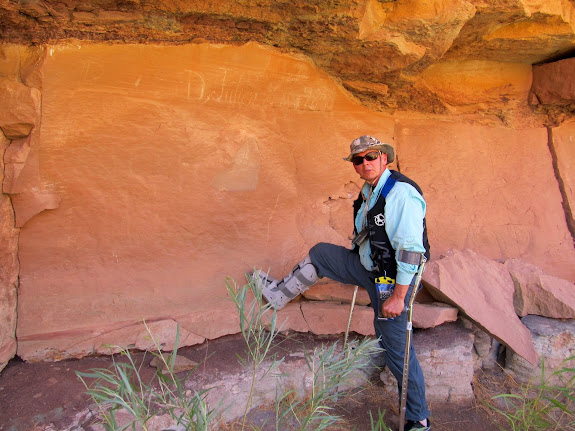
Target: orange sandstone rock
[[483, 290]]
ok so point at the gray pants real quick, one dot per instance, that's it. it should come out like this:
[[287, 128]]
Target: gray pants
[[343, 265]]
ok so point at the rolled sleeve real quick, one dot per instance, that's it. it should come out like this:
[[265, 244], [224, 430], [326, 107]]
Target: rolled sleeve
[[404, 213]]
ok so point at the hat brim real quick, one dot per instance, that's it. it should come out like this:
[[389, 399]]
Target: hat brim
[[383, 148]]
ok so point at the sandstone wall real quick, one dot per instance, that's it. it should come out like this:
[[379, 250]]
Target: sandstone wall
[[19, 115], [158, 171], [8, 272]]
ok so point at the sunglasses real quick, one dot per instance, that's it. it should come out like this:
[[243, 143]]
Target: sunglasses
[[370, 157]]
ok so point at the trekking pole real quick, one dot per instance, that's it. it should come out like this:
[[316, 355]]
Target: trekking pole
[[405, 377], [350, 314]]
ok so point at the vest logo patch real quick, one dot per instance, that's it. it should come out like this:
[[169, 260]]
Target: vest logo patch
[[379, 219]]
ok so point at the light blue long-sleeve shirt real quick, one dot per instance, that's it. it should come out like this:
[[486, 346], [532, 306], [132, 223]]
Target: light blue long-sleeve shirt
[[404, 214]]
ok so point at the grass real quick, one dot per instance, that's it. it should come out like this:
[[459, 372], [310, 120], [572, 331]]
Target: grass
[[546, 404], [121, 392], [126, 401]]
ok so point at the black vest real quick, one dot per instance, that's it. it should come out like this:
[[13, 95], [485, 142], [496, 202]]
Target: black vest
[[382, 253]]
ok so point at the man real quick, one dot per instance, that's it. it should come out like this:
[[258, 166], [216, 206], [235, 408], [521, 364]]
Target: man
[[389, 221]]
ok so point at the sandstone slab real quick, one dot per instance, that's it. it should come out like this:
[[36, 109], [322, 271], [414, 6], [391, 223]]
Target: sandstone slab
[[554, 342], [329, 318], [336, 292], [539, 293], [289, 318], [433, 314], [468, 171], [105, 340], [446, 357], [483, 290]]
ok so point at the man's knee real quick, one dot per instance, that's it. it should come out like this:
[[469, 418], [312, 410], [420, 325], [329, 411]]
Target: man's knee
[[322, 251], [319, 249], [319, 254]]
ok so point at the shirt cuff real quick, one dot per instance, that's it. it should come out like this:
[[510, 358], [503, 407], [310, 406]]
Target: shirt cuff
[[405, 273]]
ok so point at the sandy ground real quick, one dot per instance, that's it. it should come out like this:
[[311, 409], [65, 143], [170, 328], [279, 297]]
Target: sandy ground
[[49, 396]]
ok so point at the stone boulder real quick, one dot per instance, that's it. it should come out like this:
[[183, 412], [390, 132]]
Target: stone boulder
[[539, 293], [553, 83], [554, 342], [483, 290], [485, 348], [446, 357]]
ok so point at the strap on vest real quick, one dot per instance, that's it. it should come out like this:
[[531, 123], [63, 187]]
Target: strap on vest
[[389, 183]]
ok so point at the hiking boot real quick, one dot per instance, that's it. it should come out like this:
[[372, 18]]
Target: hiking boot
[[416, 426]]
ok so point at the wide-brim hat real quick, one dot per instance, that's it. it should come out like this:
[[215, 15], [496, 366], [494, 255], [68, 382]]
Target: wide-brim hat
[[365, 143]]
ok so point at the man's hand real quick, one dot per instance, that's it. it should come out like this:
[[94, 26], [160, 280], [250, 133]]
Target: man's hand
[[395, 304]]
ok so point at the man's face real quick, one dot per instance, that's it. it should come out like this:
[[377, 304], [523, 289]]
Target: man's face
[[371, 167]]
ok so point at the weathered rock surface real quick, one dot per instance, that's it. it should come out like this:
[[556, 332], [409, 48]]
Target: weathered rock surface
[[295, 373], [336, 292], [562, 145], [483, 290], [15, 158], [504, 186], [9, 269], [485, 348], [539, 293], [211, 142], [446, 357], [554, 342], [378, 50], [20, 108], [148, 219], [134, 208], [432, 315], [106, 340], [554, 83], [290, 318], [329, 318]]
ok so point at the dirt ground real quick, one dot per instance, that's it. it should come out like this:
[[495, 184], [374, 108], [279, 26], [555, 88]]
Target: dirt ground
[[49, 396]]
